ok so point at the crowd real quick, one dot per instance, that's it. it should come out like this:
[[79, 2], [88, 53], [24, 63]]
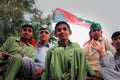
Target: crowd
[[25, 58]]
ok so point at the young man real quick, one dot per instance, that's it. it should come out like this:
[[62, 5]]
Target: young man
[[92, 55], [14, 50], [66, 60], [41, 49], [110, 64]]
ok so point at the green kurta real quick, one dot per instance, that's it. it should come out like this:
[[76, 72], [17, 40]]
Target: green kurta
[[13, 47], [66, 63]]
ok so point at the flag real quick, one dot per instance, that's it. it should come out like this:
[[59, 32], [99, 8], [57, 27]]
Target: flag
[[63, 15]]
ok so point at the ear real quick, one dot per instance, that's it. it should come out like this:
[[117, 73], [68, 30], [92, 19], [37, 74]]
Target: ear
[[33, 34], [50, 35], [112, 43], [20, 32], [101, 32], [55, 34], [70, 32]]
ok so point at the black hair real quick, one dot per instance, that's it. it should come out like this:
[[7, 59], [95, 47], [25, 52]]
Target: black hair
[[62, 22], [115, 34], [26, 25]]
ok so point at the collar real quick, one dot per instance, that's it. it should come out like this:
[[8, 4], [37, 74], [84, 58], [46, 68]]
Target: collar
[[69, 43], [100, 39], [116, 56], [18, 40], [47, 45]]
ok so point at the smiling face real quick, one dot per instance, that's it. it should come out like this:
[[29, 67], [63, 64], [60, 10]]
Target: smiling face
[[27, 33], [44, 35], [62, 32]]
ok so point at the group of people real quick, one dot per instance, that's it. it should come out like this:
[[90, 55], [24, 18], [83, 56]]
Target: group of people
[[99, 59]]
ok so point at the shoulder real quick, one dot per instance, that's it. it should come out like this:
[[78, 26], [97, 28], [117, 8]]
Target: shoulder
[[31, 46], [75, 44], [11, 39], [53, 47], [105, 39], [51, 44], [87, 45]]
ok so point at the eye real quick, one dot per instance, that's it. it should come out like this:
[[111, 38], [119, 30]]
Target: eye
[[115, 38], [94, 30], [59, 29], [27, 30], [65, 29], [46, 32], [24, 29]]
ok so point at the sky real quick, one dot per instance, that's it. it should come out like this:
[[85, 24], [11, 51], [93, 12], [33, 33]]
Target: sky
[[105, 12]]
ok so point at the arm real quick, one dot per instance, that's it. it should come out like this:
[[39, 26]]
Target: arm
[[5, 47], [109, 46], [107, 61]]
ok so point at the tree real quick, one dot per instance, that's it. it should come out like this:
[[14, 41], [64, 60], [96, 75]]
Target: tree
[[13, 14]]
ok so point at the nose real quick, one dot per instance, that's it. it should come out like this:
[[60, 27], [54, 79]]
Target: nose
[[62, 30], [118, 39]]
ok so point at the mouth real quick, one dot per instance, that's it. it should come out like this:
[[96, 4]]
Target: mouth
[[118, 44], [26, 36]]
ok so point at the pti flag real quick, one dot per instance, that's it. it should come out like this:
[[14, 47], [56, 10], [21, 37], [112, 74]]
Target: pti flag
[[63, 15]]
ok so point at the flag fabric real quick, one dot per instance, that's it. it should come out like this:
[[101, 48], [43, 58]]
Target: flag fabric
[[63, 15]]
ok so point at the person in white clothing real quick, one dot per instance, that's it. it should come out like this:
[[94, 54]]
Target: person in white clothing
[[41, 49]]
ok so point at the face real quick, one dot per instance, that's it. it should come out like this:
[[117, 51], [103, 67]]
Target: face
[[62, 32], [27, 33], [116, 42], [44, 35], [96, 33]]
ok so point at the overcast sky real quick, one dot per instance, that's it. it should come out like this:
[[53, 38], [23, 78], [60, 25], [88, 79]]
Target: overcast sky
[[105, 12]]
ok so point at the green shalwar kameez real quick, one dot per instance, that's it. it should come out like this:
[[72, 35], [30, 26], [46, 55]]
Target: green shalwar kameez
[[66, 63], [13, 63]]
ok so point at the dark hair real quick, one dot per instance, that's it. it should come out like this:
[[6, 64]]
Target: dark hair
[[62, 22], [115, 34], [26, 25]]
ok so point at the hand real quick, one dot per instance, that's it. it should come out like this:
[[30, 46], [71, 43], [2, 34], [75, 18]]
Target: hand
[[98, 47], [38, 72], [5, 55]]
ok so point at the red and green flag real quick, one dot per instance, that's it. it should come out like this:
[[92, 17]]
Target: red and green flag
[[63, 15]]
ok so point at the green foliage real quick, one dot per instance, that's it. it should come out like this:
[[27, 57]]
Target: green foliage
[[13, 14]]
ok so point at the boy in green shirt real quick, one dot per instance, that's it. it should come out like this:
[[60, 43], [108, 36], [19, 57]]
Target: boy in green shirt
[[66, 60], [14, 50]]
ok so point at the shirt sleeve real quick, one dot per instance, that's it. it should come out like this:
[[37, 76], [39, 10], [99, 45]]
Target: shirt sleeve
[[107, 61], [6, 44], [109, 46]]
